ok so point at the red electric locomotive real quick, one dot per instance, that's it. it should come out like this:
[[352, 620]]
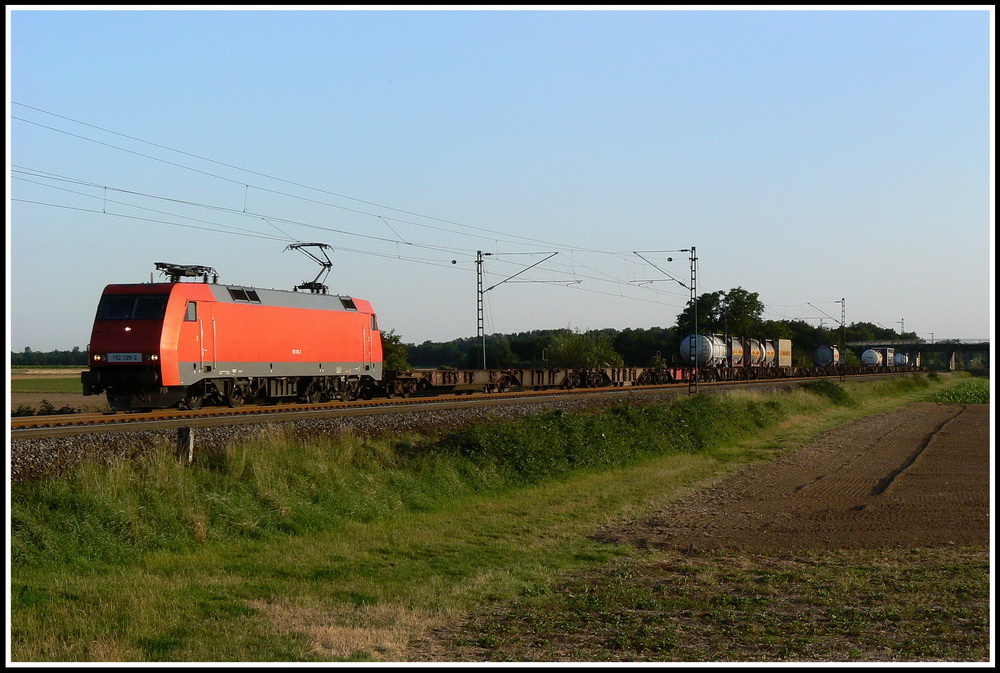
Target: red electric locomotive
[[158, 345]]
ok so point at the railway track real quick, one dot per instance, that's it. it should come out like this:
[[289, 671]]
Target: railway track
[[71, 424], [28, 427]]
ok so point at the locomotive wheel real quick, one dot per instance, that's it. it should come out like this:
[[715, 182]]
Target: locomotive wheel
[[350, 391], [194, 399], [234, 398]]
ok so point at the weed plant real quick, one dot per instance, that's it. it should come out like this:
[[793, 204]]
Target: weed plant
[[975, 391]]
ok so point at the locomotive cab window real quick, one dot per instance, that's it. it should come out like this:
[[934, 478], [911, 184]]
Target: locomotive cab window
[[374, 324], [132, 307], [191, 313]]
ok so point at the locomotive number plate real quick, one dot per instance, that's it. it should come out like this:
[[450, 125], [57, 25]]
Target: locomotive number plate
[[124, 357]]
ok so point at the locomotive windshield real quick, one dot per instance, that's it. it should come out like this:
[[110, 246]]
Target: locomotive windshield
[[132, 307]]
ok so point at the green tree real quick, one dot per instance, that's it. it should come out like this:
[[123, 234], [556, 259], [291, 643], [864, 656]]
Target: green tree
[[639, 347], [430, 354], [573, 349], [394, 355], [498, 353], [734, 312]]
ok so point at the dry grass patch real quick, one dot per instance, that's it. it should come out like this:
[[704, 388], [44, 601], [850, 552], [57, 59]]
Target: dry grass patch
[[380, 632]]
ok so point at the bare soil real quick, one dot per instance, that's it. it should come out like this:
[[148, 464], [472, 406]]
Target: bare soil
[[918, 476]]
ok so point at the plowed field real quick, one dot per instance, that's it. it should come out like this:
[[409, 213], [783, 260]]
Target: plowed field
[[919, 476]]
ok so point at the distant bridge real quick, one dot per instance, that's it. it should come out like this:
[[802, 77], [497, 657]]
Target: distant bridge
[[951, 347]]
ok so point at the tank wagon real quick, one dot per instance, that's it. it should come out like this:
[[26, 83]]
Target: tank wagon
[[878, 357], [825, 356], [157, 345]]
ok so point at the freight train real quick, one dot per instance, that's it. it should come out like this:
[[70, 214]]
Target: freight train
[[185, 343]]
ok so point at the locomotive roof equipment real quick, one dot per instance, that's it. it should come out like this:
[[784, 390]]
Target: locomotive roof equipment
[[177, 271], [315, 285]]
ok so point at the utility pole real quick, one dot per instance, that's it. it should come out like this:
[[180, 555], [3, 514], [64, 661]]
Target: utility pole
[[480, 325], [843, 336], [480, 322], [693, 383], [843, 329], [692, 286]]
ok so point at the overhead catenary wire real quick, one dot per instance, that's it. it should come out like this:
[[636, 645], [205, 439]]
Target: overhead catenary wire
[[271, 219], [525, 239], [261, 174], [496, 237]]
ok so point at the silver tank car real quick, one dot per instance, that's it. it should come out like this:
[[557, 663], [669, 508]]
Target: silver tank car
[[871, 358], [710, 350], [735, 352], [769, 354], [901, 359], [824, 356]]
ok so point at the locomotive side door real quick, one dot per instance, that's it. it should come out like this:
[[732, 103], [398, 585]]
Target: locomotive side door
[[366, 340], [206, 337]]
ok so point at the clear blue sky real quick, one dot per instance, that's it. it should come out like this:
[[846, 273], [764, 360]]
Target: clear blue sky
[[808, 155]]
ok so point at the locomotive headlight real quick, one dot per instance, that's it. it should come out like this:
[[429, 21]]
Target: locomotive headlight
[[154, 357], [97, 357]]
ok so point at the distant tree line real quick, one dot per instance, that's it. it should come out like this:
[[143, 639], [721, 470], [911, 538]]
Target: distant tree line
[[32, 358]]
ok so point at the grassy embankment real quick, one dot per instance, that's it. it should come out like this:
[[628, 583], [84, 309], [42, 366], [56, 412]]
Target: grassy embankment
[[345, 548]]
